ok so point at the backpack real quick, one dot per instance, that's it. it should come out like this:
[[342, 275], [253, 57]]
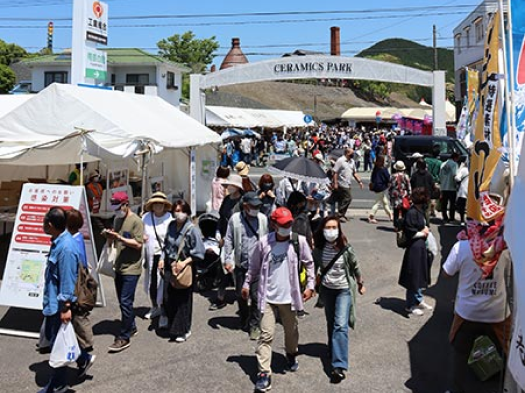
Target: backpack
[[301, 268], [85, 289]]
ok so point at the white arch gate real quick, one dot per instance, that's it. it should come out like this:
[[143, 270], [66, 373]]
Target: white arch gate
[[318, 67]]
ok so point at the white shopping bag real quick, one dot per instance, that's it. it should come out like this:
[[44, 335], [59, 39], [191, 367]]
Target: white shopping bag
[[65, 349], [432, 244], [106, 261]]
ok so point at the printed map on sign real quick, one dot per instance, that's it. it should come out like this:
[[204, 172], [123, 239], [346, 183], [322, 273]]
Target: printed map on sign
[[31, 272]]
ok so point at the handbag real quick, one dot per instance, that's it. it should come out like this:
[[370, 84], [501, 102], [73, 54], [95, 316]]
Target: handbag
[[401, 239], [106, 262], [184, 278], [406, 203], [65, 349]]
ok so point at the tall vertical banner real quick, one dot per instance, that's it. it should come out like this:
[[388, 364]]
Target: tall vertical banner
[[487, 141], [23, 280]]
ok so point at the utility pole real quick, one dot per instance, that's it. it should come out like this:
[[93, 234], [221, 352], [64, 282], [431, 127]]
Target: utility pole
[[435, 49]]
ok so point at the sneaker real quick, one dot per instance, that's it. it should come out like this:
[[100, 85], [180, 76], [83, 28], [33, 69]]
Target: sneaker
[[82, 370], [134, 332], [180, 339], [187, 335], [338, 374], [255, 333], [163, 322], [119, 345], [264, 383], [342, 219], [372, 220], [154, 312], [301, 314], [292, 365], [414, 310], [425, 306], [217, 306], [58, 389]]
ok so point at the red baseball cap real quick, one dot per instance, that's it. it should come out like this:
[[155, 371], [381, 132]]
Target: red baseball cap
[[119, 198], [281, 216]]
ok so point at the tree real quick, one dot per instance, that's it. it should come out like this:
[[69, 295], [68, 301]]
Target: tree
[[9, 53], [186, 49], [7, 79]]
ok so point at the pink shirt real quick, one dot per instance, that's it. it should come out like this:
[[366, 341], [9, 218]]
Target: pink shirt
[[217, 193]]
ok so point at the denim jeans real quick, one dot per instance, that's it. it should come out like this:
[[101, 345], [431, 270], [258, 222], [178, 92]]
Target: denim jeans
[[414, 297], [58, 376], [337, 304], [125, 286]]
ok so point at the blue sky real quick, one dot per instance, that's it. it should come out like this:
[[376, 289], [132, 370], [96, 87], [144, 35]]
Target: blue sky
[[260, 35]]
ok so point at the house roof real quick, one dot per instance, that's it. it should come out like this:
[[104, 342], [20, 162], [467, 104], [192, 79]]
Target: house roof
[[116, 56]]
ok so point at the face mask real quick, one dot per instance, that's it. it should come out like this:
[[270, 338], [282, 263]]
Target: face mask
[[252, 212], [284, 232], [121, 213], [331, 235], [267, 186], [180, 217]]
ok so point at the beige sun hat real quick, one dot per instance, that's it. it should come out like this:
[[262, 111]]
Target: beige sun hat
[[158, 197], [399, 166], [233, 180], [242, 168]]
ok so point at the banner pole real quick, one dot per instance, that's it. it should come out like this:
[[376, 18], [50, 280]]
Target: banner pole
[[513, 129]]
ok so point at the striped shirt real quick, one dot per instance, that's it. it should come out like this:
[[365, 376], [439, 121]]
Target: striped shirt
[[336, 276]]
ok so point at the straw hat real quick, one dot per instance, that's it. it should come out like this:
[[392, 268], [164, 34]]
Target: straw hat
[[233, 180], [399, 166], [242, 168], [158, 197]]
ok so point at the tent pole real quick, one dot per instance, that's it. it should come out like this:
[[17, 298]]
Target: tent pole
[[144, 167], [82, 168]]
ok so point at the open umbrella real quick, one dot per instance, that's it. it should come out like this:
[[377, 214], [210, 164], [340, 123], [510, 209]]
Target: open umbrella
[[231, 133], [300, 168]]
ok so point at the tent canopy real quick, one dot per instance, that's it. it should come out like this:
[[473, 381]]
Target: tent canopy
[[222, 116], [8, 102], [387, 113], [65, 120]]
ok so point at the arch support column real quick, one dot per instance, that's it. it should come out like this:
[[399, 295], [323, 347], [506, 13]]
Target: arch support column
[[197, 99]]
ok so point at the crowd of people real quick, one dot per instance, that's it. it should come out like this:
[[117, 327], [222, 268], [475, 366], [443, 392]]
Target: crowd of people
[[278, 244]]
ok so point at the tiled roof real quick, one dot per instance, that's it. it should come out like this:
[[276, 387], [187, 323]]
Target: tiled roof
[[115, 56]]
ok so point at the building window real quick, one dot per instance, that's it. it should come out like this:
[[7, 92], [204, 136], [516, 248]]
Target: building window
[[458, 43], [467, 36], [478, 26], [170, 80], [137, 79], [54, 77]]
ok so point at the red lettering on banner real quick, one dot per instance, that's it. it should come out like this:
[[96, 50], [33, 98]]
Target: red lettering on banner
[[30, 228], [32, 218], [32, 239], [34, 208]]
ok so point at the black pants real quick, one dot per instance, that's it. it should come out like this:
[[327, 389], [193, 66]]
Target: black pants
[[461, 204], [153, 284], [178, 304], [249, 314], [344, 199], [448, 198]]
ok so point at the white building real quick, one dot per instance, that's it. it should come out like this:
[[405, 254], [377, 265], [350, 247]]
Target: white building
[[469, 40], [128, 69]]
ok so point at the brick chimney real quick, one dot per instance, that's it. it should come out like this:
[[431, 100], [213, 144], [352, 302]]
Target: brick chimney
[[234, 56], [335, 41]]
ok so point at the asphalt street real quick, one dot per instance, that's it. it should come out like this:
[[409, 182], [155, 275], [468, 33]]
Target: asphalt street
[[389, 351]]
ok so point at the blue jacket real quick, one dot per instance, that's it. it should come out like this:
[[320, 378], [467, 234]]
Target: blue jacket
[[61, 273], [380, 179]]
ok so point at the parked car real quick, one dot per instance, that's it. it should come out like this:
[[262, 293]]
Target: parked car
[[405, 146], [22, 87]]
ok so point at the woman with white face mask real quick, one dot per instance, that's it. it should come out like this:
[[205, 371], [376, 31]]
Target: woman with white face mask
[[182, 246], [156, 220], [340, 279]]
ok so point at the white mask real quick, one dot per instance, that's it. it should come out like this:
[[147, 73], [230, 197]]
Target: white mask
[[120, 214], [331, 235], [252, 212], [180, 217], [284, 232]]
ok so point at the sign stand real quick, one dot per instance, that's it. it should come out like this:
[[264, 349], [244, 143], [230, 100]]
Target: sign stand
[[23, 280]]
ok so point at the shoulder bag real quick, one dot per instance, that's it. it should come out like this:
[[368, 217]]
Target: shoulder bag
[[184, 278], [324, 271]]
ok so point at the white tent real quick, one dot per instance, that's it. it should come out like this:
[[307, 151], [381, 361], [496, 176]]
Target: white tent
[[222, 116], [8, 102], [64, 122]]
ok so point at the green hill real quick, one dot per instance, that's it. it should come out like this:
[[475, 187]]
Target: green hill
[[408, 53]]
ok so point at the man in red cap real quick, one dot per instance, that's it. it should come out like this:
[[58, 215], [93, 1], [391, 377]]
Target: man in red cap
[[275, 263], [127, 237]]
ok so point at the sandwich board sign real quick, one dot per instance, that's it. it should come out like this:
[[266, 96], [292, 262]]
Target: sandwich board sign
[[23, 280]]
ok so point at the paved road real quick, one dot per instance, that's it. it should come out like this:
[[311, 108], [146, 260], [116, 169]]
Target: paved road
[[389, 352]]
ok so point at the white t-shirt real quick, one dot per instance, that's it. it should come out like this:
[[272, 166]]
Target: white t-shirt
[[161, 225], [278, 286], [478, 300], [345, 170], [246, 146]]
